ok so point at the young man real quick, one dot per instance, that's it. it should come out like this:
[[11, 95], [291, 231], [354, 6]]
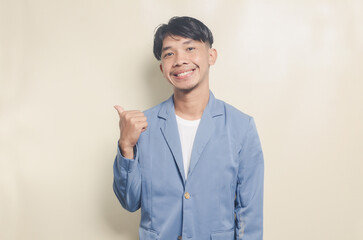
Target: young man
[[193, 163]]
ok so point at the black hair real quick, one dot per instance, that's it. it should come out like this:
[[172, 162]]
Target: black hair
[[186, 27]]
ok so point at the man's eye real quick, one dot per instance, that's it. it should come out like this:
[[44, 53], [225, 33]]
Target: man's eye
[[190, 48], [168, 54]]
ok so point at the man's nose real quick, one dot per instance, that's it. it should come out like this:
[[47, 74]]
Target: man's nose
[[180, 59]]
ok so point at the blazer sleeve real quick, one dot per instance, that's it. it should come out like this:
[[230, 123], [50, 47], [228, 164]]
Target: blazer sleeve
[[127, 180], [249, 192]]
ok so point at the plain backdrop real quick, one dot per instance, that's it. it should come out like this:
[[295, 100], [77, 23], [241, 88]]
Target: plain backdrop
[[295, 66]]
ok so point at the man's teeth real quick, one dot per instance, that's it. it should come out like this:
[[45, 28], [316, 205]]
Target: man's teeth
[[184, 73]]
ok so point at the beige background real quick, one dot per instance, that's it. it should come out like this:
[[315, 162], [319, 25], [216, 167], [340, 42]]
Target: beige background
[[296, 66]]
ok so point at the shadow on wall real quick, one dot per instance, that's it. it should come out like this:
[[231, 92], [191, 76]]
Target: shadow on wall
[[122, 222], [158, 88]]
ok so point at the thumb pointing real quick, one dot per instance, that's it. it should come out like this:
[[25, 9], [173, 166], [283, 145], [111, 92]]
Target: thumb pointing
[[119, 109]]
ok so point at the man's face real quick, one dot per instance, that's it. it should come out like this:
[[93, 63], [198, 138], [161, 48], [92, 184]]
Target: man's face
[[185, 62]]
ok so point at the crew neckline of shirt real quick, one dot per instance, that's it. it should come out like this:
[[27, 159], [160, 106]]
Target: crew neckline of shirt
[[187, 122]]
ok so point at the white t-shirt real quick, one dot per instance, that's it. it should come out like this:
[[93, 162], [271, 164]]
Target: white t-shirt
[[187, 130]]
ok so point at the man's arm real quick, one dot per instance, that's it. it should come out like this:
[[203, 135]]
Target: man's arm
[[127, 175], [127, 181], [249, 195]]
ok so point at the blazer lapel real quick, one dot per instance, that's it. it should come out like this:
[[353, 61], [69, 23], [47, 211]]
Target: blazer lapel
[[205, 130], [204, 133], [171, 134]]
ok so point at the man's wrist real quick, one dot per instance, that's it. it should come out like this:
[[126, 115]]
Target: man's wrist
[[126, 151]]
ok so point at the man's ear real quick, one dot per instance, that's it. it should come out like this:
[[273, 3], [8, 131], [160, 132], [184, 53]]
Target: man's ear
[[212, 56], [161, 68]]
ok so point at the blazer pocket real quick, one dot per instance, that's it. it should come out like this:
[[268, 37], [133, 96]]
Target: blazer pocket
[[146, 234], [225, 235]]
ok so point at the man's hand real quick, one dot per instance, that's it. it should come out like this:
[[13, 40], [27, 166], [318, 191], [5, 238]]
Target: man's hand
[[132, 124]]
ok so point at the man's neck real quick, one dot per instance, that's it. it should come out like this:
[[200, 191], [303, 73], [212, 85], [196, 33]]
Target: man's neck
[[190, 105]]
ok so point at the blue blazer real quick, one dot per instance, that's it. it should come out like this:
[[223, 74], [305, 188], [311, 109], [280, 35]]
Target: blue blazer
[[222, 198]]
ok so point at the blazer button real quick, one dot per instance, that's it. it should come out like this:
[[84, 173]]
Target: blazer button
[[187, 195], [180, 238]]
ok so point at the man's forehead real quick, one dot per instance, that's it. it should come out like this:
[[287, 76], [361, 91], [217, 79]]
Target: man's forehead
[[175, 38]]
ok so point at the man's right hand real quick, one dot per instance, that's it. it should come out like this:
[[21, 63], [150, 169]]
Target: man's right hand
[[132, 124]]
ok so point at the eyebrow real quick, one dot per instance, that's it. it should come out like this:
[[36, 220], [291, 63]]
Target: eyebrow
[[168, 47]]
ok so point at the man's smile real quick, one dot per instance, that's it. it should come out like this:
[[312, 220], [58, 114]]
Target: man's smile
[[180, 74]]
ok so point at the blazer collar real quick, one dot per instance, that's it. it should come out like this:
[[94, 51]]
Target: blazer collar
[[204, 133], [214, 108]]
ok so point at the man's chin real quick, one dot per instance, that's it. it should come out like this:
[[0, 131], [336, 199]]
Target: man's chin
[[186, 89]]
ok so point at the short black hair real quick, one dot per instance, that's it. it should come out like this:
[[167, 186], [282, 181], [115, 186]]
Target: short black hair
[[186, 27]]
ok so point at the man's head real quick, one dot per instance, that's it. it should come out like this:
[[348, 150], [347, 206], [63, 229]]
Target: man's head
[[185, 27], [183, 47]]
